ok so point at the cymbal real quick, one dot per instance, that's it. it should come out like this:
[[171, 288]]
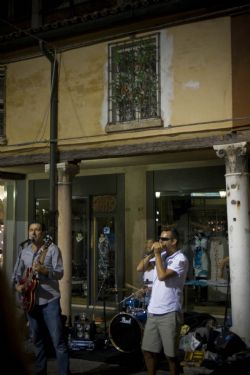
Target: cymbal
[[131, 286], [116, 290]]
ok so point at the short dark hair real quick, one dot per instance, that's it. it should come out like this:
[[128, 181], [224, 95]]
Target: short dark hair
[[42, 225], [174, 233]]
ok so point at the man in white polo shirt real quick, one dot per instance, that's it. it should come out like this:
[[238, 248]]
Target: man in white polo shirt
[[164, 318]]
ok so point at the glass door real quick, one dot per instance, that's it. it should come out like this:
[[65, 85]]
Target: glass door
[[103, 249], [105, 255], [80, 255], [2, 197]]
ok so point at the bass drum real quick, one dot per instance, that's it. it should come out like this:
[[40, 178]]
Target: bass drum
[[125, 331]]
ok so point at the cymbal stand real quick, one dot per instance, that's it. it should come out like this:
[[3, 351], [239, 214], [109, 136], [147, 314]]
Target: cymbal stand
[[104, 315], [98, 295]]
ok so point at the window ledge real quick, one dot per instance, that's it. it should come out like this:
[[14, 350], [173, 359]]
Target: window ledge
[[134, 125], [3, 140]]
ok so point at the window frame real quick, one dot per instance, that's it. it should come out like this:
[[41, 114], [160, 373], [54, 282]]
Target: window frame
[[139, 122]]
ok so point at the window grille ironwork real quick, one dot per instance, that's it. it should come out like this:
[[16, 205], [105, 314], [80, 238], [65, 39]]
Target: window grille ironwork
[[134, 80], [2, 100]]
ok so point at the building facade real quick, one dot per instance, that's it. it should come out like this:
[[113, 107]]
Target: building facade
[[112, 129]]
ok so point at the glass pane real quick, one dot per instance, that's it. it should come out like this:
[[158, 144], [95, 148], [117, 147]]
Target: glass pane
[[134, 80], [79, 242], [201, 220], [42, 212], [105, 257], [1, 224], [79, 249]]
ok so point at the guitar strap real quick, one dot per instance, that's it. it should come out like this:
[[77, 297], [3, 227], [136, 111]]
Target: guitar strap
[[42, 255]]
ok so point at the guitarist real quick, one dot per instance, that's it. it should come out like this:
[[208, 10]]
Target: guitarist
[[37, 275]]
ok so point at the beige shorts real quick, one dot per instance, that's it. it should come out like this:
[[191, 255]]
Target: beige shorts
[[162, 331]]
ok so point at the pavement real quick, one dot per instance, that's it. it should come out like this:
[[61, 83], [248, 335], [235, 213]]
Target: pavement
[[81, 366], [101, 353], [101, 359], [110, 361]]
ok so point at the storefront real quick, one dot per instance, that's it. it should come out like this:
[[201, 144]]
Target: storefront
[[1, 223], [194, 201], [97, 228], [104, 248]]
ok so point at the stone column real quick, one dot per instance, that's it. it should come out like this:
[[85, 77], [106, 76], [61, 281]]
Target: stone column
[[237, 189], [66, 172]]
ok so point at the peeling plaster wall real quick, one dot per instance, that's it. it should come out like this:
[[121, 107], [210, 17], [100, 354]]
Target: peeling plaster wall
[[82, 86], [28, 100], [202, 72], [195, 81]]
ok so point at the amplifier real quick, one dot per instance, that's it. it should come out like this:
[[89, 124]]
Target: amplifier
[[83, 329], [81, 344]]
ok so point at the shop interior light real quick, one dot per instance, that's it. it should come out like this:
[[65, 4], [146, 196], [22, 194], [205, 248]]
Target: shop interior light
[[207, 194], [157, 194], [223, 193]]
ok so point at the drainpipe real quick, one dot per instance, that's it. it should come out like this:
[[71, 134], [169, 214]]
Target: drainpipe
[[51, 56]]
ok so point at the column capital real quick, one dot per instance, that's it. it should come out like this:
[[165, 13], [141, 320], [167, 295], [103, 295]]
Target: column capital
[[66, 171], [234, 155]]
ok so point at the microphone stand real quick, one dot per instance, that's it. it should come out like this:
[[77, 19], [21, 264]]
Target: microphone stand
[[104, 307]]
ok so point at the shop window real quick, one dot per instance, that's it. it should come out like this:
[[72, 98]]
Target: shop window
[[201, 220], [80, 254], [1, 244], [80, 235], [1, 224], [134, 84], [103, 221], [42, 211]]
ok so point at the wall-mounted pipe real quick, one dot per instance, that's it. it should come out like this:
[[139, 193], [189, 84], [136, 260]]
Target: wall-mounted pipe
[[51, 56]]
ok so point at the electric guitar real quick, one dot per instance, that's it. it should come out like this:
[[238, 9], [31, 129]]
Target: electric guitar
[[30, 280], [30, 283]]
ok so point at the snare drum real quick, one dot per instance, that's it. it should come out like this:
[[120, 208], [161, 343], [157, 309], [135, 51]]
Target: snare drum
[[126, 330]]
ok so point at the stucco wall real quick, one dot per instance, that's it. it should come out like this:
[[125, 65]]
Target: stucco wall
[[82, 90], [202, 72], [196, 87], [240, 68], [28, 101]]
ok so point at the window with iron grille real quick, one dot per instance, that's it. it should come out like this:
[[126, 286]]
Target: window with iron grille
[[2, 104], [134, 81]]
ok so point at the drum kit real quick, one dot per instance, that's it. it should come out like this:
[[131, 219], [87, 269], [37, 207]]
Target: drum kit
[[126, 327]]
